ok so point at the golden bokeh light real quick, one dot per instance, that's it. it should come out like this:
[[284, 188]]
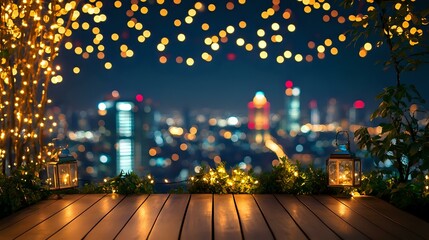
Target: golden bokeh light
[[163, 59], [181, 37], [212, 7], [242, 24], [240, 42], [263, 55], [275, 26], [367, 46], [163, 12], [108, 65], [362, 53], [298, 58], [205, 26], [76, 70], [262, 44], [115, 37], [190, 61], [287, 54]]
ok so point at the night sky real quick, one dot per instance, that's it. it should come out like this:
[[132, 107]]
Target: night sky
[[231, 79]]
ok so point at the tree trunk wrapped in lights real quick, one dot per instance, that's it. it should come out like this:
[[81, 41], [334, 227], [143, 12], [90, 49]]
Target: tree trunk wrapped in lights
[[31, 32]]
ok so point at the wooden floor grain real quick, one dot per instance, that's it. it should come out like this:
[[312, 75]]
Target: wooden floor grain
[[208, 216]]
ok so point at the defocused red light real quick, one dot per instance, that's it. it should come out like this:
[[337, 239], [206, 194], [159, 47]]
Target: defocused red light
[[231, 56], [358, 104], [139, 98], [289, 84], [313, 104]]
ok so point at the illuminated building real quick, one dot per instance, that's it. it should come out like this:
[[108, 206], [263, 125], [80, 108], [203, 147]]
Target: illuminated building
[[119, 120], [356, 113], [259, 112], [259, 115], [314, 113], [291, 121], [128, 125], [332, 112]]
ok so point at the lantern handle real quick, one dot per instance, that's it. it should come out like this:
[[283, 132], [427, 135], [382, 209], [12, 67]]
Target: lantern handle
[[348, 139]]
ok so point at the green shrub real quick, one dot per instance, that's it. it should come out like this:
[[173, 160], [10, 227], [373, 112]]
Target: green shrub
[[293, 179], [412, 196], [377, 183], [22, 188], [126, 183]]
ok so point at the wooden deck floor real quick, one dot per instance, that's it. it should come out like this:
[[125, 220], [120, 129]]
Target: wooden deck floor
[[206, 216]]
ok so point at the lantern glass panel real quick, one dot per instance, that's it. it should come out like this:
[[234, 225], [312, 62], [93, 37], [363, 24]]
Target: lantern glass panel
[[358, 170], [73, 174], [51, 177], [64, 175], [341, 172]]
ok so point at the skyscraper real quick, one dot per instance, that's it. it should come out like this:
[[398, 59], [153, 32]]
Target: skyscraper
[[357, 113], [259, 115], [291, 120], [119, 120], [332, 115], [314, 113]]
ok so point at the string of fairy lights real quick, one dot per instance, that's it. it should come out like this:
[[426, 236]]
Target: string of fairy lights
[[146, 18], [31, 34], [214, 40], [265, 31]]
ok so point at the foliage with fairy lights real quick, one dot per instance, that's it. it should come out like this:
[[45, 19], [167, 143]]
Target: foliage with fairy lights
[[219, 180], [31, 33], [124, 183], [399, 27], [292, 178], [412, 196]]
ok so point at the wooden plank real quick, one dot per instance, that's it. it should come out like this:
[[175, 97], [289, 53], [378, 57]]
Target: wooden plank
[[62, 218], [143, 220], [399, 216], [312, 226], [252, 221], [378, 219], [80, 226], [116, 219], [23, 213], [169, 221], [279, 221], [198, 220], [335, 223], [359, 222], [12, 231], [226, 224]]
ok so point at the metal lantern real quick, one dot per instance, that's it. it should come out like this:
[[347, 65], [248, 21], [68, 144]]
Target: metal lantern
[[343, 168], [62, 174]]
